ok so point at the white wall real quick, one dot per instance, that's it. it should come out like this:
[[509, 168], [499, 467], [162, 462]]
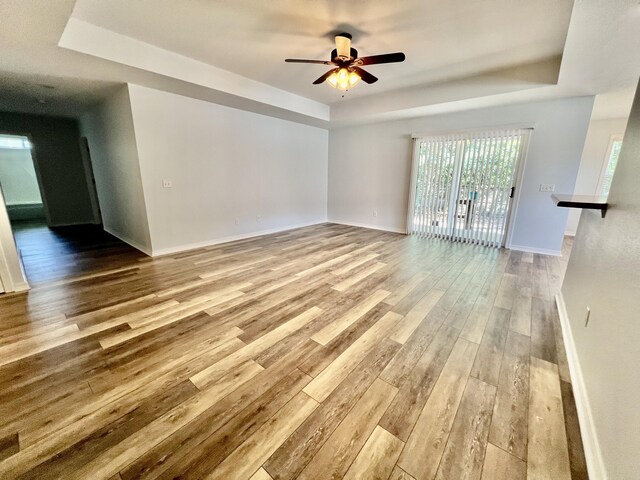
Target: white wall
[[114, 156], [233, 173], [593, 158], [604, 274], [18, 177], [369, 166]]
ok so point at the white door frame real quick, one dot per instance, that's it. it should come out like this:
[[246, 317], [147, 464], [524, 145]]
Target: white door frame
[[518, 182], [11, 272]]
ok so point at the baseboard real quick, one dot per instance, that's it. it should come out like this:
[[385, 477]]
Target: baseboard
[[365, 225], [541, 251], [21, 287], [26, 211], [73, 224], [127, 240], [11, 285], [592, 452], [233, 238]]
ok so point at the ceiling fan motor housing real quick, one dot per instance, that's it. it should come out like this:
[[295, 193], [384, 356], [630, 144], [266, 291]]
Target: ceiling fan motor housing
[[337, 59], [343, 46]]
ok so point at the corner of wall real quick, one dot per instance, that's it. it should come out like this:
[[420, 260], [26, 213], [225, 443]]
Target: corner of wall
[[110, 130], [138, 246], [144, 193]]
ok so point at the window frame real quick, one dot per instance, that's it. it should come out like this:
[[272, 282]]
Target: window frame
[[605, 162], [25, 144]]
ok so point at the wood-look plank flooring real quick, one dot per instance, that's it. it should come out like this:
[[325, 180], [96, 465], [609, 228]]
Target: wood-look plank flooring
[[324, 352]]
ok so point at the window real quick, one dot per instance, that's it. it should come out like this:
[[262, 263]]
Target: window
[[462, 185], [10, 141], [609, 167]]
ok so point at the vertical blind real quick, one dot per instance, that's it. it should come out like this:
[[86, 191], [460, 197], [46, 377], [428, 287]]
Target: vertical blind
[[462, 185]]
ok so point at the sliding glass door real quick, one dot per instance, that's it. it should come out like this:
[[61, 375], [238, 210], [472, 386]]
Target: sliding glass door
[[463, 185]]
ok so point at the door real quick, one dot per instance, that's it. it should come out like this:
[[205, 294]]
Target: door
[[91, 180], [463, 185]]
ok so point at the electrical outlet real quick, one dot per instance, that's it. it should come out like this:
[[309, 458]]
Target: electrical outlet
[[237, 221], [258, 218], [375, 213], [547, 187], [166, 183], [586, 320]]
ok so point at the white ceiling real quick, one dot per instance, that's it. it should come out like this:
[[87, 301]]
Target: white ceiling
[[33, 68], [460, 54], [47, 94], [442, 39]]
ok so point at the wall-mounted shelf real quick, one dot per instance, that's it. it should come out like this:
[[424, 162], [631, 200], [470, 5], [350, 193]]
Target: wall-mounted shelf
[[590, 202]]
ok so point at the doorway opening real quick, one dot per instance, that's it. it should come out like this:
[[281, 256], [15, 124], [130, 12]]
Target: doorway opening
[[463, 185], [34, 179]]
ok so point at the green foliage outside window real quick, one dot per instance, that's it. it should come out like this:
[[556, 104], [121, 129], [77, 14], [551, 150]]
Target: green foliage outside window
[[611, 166], [496, 155]]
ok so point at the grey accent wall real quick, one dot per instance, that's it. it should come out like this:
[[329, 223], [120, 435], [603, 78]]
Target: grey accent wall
[[604, 274], [56, 150]]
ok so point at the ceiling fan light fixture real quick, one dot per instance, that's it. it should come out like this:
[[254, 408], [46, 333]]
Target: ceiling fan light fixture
[[346, 69], [343, 79], [333, 80], [353, 78]]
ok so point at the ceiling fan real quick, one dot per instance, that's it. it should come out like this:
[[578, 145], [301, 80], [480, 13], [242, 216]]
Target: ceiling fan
[[347, 69]]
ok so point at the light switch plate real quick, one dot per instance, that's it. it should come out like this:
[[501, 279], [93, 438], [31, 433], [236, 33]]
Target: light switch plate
[[547, 187], [166, 184]]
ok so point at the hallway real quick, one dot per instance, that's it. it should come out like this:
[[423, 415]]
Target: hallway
[[50, 254]]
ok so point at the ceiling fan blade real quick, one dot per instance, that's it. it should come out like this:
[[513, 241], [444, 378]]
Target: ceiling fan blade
[[325, 76], [377, 59], [343, 45], [365, 76], [299, 60]]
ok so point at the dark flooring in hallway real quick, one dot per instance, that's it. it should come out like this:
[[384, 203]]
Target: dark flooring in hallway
[[50, 254]]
